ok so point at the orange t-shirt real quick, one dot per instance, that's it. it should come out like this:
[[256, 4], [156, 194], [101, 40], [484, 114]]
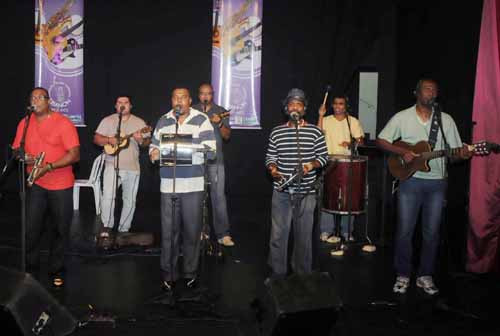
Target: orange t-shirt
[[55, 136]]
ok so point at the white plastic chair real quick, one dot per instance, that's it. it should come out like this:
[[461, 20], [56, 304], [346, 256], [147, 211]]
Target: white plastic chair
[[94, 181]]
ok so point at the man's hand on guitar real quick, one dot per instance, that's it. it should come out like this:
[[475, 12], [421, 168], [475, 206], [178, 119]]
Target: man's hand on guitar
[[215, 118], [409, 156], [112, 140], [465, 152]]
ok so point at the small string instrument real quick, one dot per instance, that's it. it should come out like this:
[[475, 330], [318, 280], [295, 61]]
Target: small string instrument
[[124, 141]]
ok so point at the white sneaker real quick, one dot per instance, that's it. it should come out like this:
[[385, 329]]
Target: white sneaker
[[226, 241], [427, 284], [401, 284], [333, 240], [324, 236]]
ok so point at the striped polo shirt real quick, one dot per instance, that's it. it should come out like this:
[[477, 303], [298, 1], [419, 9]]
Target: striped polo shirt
[[282, 151], [187, 178]]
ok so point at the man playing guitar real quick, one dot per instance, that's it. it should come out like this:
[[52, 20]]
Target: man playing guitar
[[216, 173], [124, 159], [424, 191]]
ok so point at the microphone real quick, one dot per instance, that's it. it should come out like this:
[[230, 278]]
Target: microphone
[[295, 116], [433, 102], [205, 103], [177, 111], [122, 108], [30, 109]]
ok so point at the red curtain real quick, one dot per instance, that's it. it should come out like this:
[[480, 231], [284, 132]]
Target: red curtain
[[483, 250]]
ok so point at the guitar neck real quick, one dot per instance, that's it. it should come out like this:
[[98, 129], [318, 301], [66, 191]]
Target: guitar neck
[[440, 153]]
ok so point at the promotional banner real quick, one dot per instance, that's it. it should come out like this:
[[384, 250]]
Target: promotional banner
[[59, 55], [236, 59]]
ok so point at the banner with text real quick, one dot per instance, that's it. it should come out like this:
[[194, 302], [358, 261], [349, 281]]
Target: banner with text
[[236, 59], [59, 55]]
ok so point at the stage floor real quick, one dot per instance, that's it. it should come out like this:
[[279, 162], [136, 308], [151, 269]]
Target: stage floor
[[121, 285]]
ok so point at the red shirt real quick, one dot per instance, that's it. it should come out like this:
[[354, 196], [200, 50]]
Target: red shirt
[[55, 136]]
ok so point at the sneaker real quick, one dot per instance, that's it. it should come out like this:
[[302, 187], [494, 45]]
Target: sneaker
[[57, 280], [191, 282], [167, 286], [401, 284], [427, 284], [333, 240], [226, 241], [324, 236]]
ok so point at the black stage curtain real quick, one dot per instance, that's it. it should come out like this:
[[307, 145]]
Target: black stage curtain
[[146, 48]]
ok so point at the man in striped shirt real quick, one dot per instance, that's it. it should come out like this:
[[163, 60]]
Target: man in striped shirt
[[188, 193], [286, 156]]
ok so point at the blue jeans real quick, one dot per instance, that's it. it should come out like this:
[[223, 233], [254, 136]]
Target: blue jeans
[[216, 176], [281, 214], [415, 194], [327, 223]]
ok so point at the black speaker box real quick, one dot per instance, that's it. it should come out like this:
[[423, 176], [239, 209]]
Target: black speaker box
[[299, 305], [34, 309]]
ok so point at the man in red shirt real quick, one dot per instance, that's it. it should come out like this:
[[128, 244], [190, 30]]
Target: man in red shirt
[[54, 134]]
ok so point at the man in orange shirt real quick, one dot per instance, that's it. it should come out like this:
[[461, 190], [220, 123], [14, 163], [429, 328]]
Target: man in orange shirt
[[55, 135]]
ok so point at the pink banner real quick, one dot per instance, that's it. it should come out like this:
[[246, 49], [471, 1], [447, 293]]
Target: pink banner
[[484, 199]]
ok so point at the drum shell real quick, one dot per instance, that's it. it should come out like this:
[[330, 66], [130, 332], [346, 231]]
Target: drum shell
[[336, 183]]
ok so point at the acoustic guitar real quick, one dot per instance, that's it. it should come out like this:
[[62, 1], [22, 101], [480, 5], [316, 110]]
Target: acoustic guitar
[[223, 114], [403, 170], [124, 141]]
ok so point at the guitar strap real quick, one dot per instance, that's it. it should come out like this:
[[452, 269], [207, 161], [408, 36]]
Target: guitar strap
[[434, 129], [436, 125]]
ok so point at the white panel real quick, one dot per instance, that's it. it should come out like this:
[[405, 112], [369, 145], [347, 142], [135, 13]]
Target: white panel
[[368, 93]]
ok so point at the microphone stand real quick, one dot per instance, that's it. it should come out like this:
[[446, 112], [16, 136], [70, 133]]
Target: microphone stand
[[296, 199], [213, 246], [116, 185], [174, 199], [22, 190]]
